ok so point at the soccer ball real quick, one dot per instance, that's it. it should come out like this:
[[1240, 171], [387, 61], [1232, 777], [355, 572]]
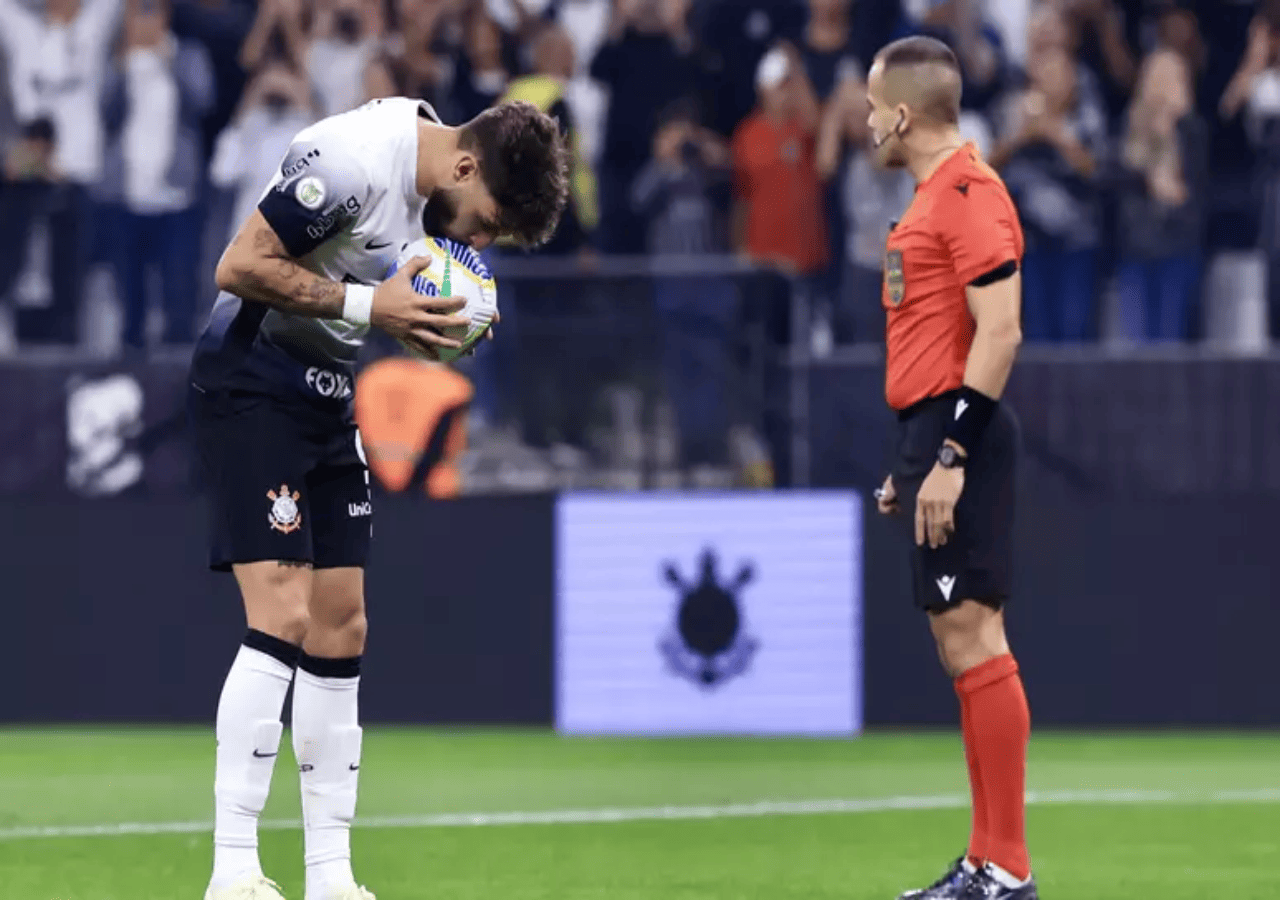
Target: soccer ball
[[456, 270]]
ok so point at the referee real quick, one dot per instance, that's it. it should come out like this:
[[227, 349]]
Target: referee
[[952, 292]]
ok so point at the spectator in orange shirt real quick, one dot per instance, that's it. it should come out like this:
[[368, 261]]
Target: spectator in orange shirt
[[778, 220], [778, 217]]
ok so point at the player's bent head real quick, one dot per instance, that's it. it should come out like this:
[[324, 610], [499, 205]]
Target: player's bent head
[[523, 165], [914, 83]]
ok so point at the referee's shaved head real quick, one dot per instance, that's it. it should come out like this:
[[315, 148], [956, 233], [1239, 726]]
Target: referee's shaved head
[[923, 74], [913, 91]]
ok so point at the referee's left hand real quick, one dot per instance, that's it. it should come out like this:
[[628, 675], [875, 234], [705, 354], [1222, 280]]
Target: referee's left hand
[[936, 505]]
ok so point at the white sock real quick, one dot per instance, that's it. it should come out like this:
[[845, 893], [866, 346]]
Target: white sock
[[1005, 878], [248, 731], [969, 868], [326, 740]]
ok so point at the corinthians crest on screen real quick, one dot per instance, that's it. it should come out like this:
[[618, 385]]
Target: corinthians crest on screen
[[707, 643]]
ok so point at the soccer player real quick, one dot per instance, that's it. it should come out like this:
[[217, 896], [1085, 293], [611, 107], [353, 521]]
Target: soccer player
[[271, 411], [952, 293]]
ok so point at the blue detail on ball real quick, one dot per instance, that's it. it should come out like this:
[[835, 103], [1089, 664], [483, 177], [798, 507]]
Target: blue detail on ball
[[465, 256], [462, 254], [425, 286]]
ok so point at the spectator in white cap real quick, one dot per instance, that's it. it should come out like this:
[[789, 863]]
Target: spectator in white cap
[[778, 219]]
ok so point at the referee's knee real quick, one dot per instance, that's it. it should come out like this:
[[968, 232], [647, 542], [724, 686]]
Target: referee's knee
[[968, 634]]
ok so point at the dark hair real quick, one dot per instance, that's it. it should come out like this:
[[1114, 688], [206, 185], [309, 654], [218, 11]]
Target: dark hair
[[524, 162], [682, 109], [41, 129], [1269, 11], [918, 50], [942, 104]]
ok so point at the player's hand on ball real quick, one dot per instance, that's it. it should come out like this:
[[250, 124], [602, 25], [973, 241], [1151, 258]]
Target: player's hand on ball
[[488, 335], [416, 319], [887, 497], [936, 505]]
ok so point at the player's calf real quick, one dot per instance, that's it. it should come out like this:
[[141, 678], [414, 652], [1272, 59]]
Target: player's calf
[[248, 725], [326, 733], [248, 733]]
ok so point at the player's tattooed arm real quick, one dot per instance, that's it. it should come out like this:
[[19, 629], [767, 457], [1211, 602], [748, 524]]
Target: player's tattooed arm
[[256, 266]]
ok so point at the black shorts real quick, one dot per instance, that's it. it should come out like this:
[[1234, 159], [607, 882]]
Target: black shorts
[[976, 562], [285, 481]]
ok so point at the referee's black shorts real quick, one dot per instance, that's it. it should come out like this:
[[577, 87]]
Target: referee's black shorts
[[284, 481], [976, 562]]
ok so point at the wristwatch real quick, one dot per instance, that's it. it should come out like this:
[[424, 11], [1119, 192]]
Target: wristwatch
[[950, 458]]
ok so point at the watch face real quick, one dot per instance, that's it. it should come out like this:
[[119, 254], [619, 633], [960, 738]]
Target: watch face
[[948, 457]]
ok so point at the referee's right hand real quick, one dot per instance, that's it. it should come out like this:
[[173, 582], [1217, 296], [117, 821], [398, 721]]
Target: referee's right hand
[[887, 497], [415, 319]]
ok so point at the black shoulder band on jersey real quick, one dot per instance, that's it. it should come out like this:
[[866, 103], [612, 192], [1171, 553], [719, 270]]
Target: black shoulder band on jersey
[[999, 273]]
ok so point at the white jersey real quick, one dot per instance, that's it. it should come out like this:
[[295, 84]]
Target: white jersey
[[344, 203]]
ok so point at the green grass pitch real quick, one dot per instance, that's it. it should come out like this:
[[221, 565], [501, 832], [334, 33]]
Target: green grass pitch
[[1116, 817]]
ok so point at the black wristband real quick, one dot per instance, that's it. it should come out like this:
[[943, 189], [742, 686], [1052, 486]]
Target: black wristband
[[973, 412]]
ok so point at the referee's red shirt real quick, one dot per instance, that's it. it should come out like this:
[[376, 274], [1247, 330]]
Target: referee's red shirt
[[961, 225]]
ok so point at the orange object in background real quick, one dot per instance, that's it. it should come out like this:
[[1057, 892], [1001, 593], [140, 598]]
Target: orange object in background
[[777, 183], [413, 422]]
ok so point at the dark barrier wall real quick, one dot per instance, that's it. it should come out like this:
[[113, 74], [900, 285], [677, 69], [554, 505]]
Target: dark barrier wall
[[1147, 583], [1134, 612], [1146, 588], [460, 599], [112, 615], [1177, 424], [1124, 613]]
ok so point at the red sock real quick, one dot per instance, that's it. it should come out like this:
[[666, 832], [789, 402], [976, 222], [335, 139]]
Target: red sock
[[999, 727], [978, 835]]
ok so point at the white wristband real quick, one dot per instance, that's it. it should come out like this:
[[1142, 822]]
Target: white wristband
[[357, 307]]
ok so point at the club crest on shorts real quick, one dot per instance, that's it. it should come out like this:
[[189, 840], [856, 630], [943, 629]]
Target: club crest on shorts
[[284, 516], [895, 280], [707, 643]]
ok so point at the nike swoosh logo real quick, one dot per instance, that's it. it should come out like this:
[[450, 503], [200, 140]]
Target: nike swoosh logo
[[354, 767], [257, 754], [373, 245]]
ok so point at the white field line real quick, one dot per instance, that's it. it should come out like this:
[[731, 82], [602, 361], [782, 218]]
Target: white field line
[[670, 813]]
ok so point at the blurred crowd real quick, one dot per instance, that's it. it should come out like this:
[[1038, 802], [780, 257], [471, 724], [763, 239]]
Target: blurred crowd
[[1140, 138]]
